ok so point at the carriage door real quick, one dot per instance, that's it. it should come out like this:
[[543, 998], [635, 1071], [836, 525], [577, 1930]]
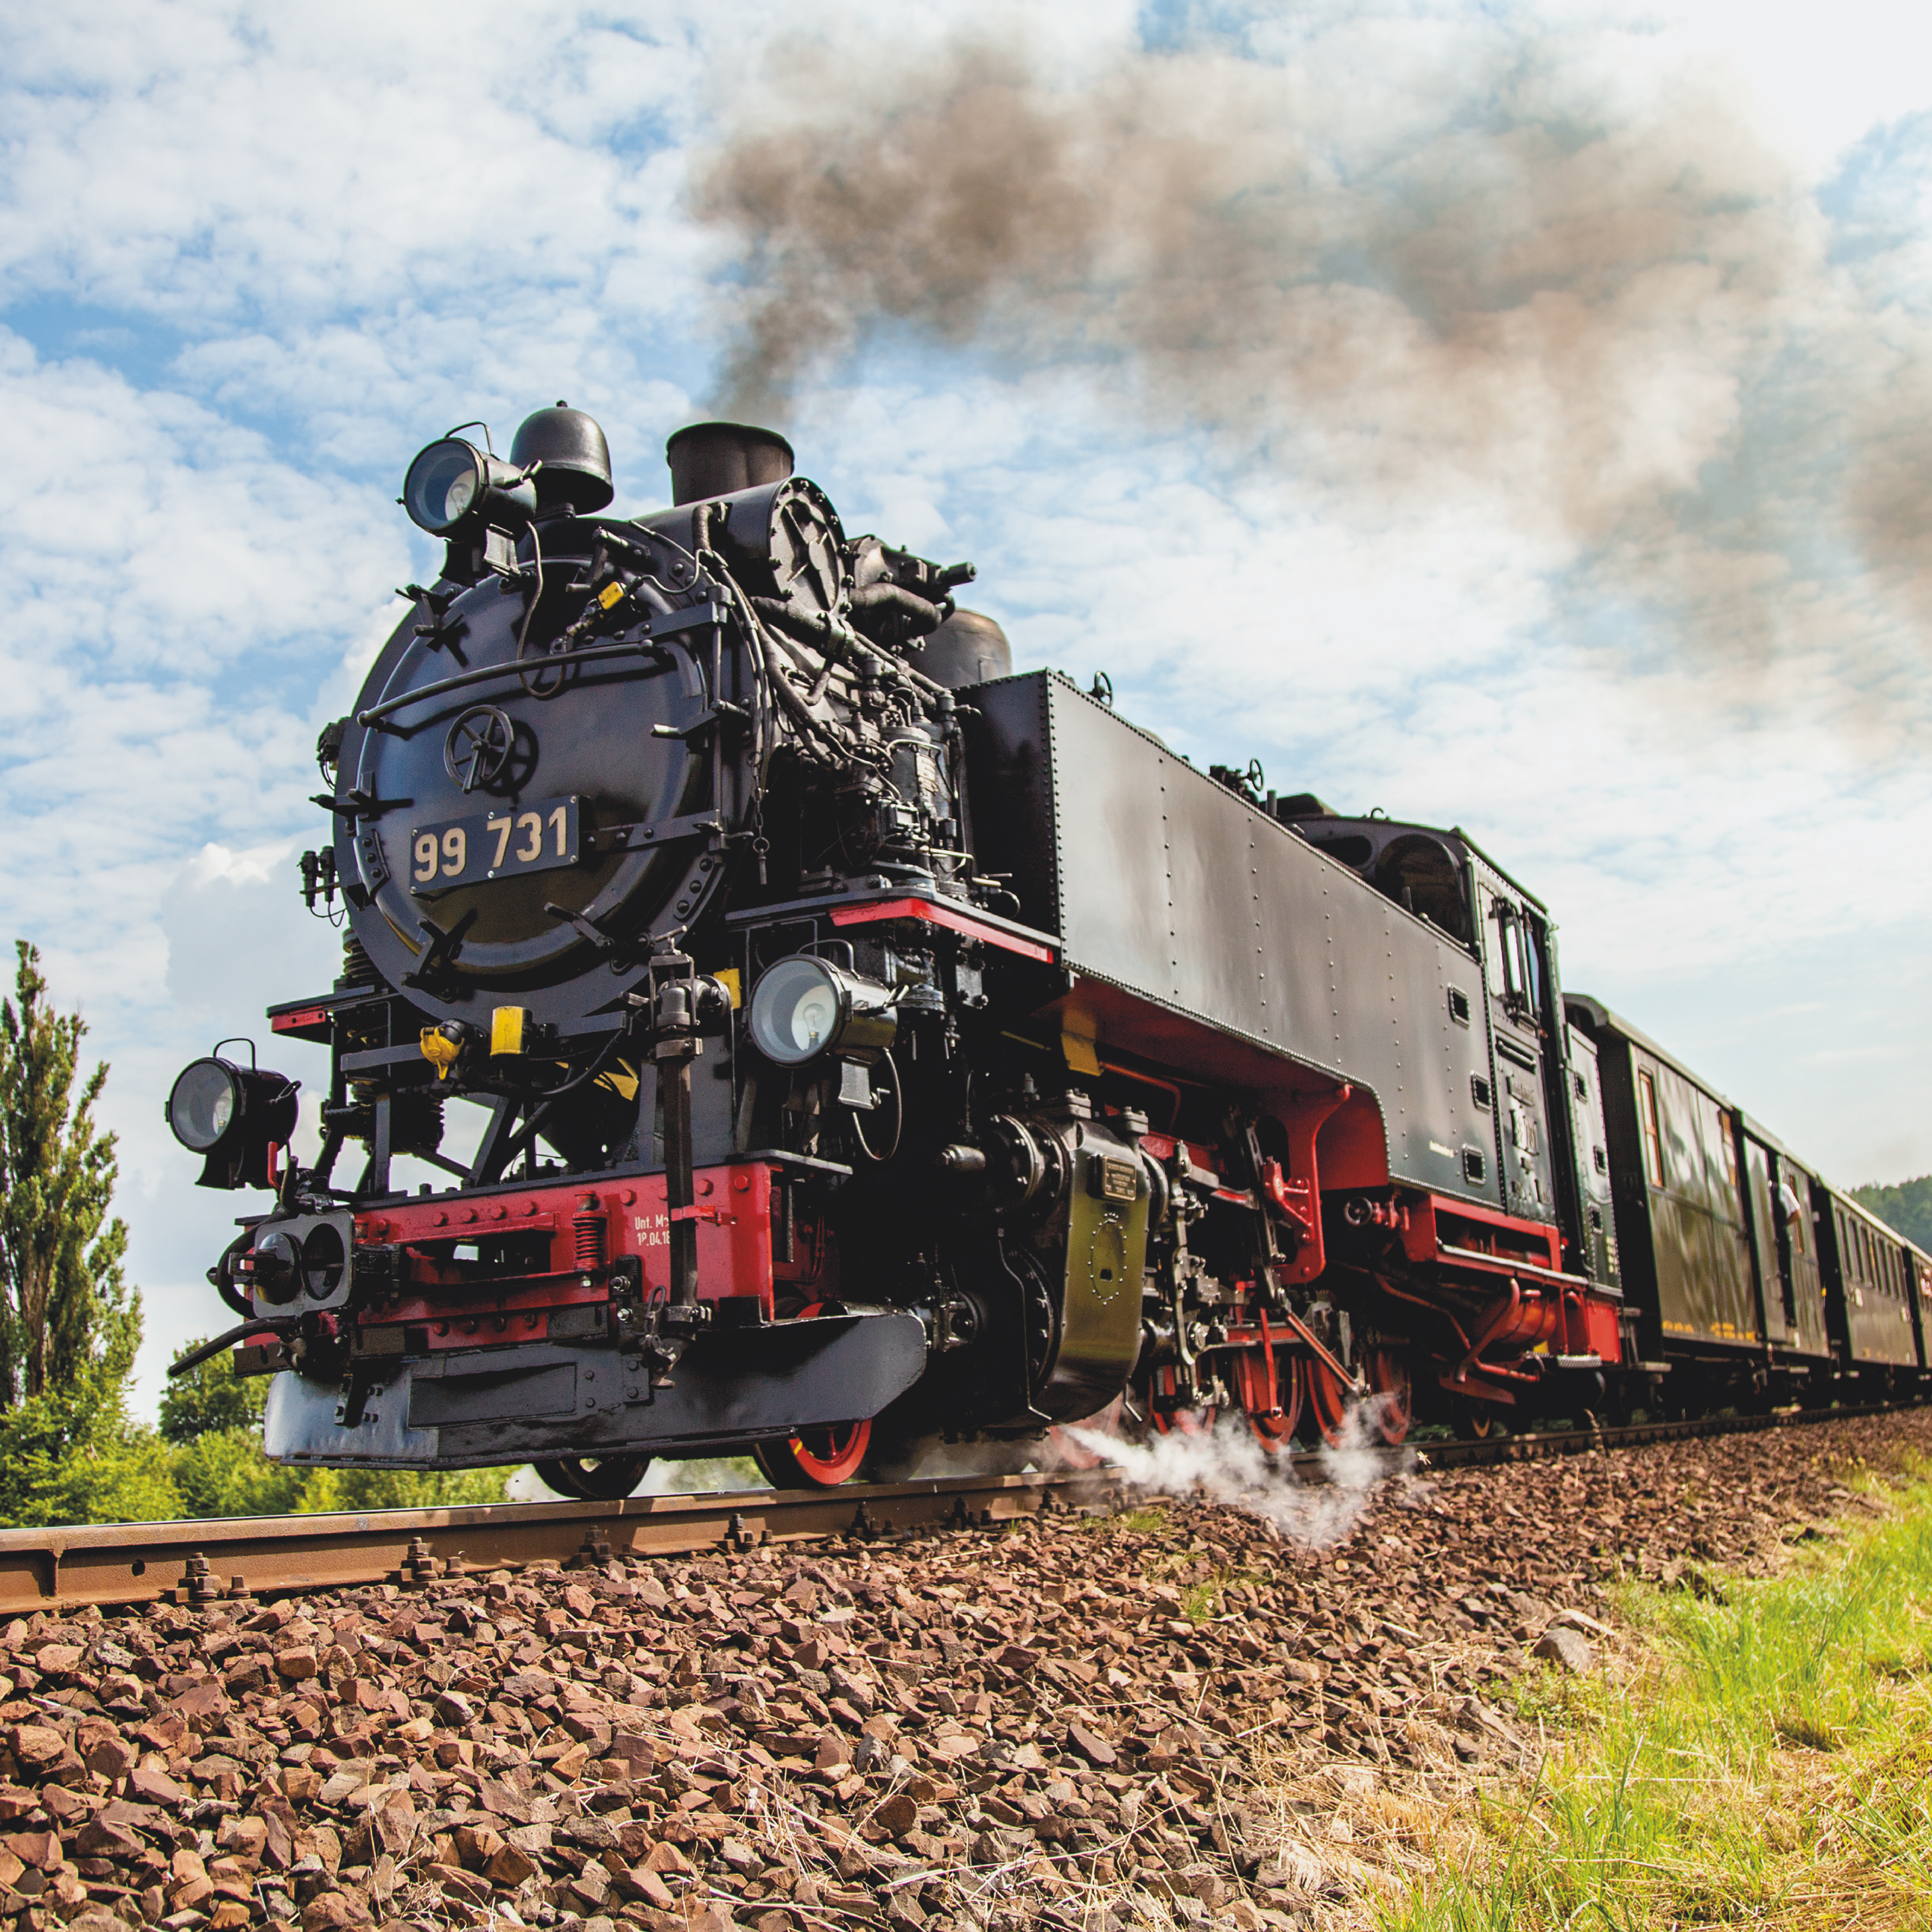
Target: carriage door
[[1918, 1274], [1774, 1291], [1797, 1251], [1514, 972]]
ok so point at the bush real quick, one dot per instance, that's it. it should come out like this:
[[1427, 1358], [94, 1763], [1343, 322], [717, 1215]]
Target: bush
[[401, 1489], [224, 1473], [212, 1397], [72, 1456]]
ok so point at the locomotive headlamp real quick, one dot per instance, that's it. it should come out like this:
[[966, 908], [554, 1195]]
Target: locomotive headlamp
[[453, 489], [804, 1006], [231, 1116], [203, 1106]]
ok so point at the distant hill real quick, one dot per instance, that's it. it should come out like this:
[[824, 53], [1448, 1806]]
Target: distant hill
[[1907, 1206]]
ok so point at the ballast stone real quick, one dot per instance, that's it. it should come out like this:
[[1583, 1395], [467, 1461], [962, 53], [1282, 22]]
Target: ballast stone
[[1569, 1649]]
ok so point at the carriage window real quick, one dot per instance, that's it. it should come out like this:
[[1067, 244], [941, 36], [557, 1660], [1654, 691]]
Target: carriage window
[[1730, 1147], [1653, 1134]]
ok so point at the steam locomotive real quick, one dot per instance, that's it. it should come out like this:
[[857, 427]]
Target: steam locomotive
[[863, 1045]]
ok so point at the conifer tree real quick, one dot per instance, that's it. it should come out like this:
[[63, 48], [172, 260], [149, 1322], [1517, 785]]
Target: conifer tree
[[68, 1318]]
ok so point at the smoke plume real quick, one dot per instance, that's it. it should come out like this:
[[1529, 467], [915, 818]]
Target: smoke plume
[[1609, 313], [1226, 1464]]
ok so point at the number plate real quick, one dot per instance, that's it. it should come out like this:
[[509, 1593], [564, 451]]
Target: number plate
[[534, 837]]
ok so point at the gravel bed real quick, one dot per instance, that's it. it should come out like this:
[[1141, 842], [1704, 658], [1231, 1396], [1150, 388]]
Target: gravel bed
[[1157, 1718]]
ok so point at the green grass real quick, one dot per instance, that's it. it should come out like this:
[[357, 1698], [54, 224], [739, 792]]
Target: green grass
[[1765, 1761], [1200, 1602]]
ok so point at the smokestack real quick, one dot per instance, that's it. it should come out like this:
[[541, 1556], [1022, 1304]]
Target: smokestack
[[714, 459]]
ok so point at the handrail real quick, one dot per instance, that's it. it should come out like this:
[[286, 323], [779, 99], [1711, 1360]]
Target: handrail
[[690, 616]]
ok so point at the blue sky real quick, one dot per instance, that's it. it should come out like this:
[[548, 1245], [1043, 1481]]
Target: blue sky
[[1513, 417]]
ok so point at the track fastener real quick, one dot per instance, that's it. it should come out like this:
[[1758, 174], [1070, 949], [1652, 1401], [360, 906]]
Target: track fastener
[[596, 1552], [199, 1584], [419, 1566]]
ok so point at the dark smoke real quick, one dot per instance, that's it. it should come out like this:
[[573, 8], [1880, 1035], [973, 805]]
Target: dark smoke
[[1592, 308]]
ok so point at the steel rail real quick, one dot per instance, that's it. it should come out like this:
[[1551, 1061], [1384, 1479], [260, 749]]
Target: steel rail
[[211, 1559]]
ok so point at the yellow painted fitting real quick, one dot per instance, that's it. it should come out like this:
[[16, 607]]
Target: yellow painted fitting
[[728, 979], [1079, 1049], [441, 1052], [508, 1028]]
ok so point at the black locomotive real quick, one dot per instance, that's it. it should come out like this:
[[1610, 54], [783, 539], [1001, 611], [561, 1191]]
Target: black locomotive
[[872, 1045]]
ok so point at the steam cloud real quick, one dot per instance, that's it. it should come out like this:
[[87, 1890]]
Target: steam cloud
[[1611, 312], [1227, 1465]]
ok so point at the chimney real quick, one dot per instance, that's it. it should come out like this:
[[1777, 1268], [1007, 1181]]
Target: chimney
[[716, 459]]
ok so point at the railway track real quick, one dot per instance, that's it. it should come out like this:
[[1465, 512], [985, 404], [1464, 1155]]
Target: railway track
[[212, 1559]]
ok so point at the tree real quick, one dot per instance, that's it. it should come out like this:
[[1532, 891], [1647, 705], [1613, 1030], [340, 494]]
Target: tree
[[1906, 1206], [68, 1318], [210, 1397]]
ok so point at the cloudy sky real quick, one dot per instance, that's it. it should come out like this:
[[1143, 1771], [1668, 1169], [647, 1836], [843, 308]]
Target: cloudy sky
[[1509, 417]]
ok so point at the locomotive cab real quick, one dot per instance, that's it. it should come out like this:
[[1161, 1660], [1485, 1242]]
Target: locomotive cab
[[1426, 871]]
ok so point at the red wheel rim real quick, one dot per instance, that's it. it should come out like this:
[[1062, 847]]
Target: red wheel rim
[[829, 1456], [1393, 1410], [1167, 1383], [1251, 1387], [1328, 1399]]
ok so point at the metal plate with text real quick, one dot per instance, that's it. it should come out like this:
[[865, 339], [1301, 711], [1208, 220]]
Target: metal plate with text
[[537, 836]]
